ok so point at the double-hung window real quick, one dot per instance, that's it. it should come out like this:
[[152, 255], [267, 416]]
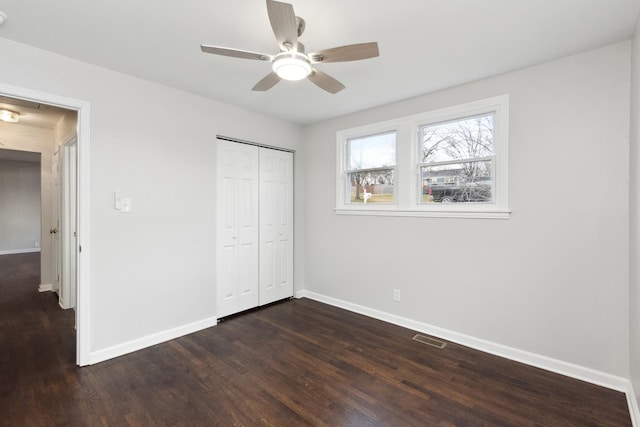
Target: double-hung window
[[371, 163], [457, 160], [450, 162]]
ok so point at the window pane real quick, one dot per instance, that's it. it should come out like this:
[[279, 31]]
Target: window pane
[[468, 182], [371, 186], [374, 151], [463, 139]]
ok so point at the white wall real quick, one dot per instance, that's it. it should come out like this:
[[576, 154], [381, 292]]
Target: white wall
[[65, 128], [634, 213], [153, 269], [553, 279], [19, 206]]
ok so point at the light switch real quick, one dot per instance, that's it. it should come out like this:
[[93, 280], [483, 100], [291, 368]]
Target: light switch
[[121, 204], [125, 205]]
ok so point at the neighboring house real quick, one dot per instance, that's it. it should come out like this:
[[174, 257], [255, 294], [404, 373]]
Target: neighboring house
[[452, 185]]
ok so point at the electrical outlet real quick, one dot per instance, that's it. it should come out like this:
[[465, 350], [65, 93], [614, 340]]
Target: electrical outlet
[[396, 295]]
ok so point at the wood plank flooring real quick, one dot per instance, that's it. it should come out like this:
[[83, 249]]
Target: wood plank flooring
[[296, 363]]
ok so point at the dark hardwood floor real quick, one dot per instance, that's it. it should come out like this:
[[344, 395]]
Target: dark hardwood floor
[[295, 363]]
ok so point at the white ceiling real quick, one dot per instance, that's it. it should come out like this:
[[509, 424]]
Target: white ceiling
[[425, 45]]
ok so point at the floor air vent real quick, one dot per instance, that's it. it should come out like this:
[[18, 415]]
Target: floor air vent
[[429, 341]]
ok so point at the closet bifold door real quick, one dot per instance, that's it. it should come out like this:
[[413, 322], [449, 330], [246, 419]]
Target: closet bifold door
[[276, 225], [237, 246]]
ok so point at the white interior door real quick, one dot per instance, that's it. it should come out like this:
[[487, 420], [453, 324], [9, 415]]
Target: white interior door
[[68, 224], [73, 220], [237, 214], [276, 225]]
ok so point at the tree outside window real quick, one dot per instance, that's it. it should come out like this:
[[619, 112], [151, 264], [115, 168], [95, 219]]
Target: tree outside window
[[457, 160], [370, 168]]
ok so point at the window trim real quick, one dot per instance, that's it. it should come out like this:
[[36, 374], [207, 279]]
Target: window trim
[[407, 169]]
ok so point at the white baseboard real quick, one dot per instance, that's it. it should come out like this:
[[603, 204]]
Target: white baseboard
[[19, 251], [633, 406], [45, 287], [150, 340], [558, 366], [63, 304]]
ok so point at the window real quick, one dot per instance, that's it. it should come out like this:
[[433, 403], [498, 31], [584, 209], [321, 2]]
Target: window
[[371, 162], [461, 153], [446, 163]]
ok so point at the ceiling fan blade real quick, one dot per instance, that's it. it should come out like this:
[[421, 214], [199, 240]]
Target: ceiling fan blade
[[267, 83], [284, 24], [235, 53], [325, 81], [352, 52]]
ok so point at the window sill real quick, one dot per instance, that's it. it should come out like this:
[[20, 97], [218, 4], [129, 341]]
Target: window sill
[[431, 213]]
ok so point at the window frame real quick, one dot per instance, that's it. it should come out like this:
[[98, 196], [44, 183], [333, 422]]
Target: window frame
[[443, 163], [407, 173], [344, 185], [348, 171]]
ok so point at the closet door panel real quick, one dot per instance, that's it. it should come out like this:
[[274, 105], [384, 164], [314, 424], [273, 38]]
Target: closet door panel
[[228, 220], [227, 281], [237, 247], [276, 226], [248, 247], [268, 228], [284, 209]]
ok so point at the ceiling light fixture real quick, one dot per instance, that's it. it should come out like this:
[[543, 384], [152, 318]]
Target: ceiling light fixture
[[292, 65], [3, 17], [9, 116]]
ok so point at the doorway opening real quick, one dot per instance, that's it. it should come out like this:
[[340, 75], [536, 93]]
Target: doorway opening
[[20, 217], [58, 129]]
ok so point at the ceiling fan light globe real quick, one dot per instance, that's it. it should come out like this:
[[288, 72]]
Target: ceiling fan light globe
[[292, 66]]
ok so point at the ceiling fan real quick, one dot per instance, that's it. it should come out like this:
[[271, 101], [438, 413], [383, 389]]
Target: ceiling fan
[[293, 63]]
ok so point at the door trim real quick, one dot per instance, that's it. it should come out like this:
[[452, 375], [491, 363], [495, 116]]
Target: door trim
[[83, 265]]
